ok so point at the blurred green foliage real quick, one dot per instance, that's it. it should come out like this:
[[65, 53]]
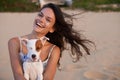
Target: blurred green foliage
[[17, 6], [92, 4], [28, 6]]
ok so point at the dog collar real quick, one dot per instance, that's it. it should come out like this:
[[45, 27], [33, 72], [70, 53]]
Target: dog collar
[[25, 58]]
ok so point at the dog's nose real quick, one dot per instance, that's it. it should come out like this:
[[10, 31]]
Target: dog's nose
[[33, 55]]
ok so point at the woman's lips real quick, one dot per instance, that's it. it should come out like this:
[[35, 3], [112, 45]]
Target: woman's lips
[[38, 24], [41, 26]]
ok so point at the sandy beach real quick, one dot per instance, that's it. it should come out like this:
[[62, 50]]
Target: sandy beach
[[101, 27]]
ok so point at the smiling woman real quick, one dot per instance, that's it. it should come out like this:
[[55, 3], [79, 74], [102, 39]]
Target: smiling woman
[[48, 20], [51, 28], [44, 21]]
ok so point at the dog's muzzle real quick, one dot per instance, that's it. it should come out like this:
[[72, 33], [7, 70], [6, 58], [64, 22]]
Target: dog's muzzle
[[33, 56]]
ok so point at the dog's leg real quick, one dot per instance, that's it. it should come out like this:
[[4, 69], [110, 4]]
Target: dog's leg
[[40, 77], [39, 68], [26, 70]]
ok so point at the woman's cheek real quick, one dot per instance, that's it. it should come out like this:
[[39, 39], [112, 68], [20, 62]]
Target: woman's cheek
[[35, 28]]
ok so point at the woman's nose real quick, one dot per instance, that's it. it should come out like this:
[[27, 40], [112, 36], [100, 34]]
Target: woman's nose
[[42, 19]]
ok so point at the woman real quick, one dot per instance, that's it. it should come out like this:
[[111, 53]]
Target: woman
[[51, 24]]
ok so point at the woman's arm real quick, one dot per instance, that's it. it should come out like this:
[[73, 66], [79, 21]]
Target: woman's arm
[[14, 47], [52, 65]]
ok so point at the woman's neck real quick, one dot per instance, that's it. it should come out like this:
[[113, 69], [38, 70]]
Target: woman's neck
[[36, 35]]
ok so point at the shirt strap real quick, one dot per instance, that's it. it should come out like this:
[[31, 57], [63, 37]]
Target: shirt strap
[[51, 51]]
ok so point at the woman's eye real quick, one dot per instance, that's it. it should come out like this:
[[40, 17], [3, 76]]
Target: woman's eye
[[40, 15], [48, 20]]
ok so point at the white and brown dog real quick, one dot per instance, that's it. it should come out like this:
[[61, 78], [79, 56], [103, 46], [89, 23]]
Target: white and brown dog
[[32, 64]]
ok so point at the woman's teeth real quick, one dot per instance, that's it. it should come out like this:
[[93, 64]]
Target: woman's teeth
[[38, 24]]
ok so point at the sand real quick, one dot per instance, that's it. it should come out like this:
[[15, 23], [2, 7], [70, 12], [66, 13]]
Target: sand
[[100, 27]]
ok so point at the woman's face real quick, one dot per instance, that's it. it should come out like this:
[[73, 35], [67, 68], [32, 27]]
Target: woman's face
[[44, 21]]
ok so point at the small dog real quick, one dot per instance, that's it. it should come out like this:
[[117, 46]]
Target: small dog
[[32, 64]]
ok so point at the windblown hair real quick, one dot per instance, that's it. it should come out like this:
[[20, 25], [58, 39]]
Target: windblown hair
[[65, 33]]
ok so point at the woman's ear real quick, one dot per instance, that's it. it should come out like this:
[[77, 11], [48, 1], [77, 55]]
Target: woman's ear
[[52, 30]]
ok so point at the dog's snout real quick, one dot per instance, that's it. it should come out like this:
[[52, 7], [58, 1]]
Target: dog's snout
[[33, 55]]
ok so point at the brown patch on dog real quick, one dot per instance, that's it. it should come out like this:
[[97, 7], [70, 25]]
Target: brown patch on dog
[[38, 45], [24, 47]]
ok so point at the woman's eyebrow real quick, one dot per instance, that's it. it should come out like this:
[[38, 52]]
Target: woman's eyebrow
[[42, 13], [46, 16], [49, 17]]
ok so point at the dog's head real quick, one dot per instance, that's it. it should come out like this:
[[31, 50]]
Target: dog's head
[[31, 49]]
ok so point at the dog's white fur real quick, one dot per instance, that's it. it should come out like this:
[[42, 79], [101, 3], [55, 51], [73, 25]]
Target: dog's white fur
[[33, 68]]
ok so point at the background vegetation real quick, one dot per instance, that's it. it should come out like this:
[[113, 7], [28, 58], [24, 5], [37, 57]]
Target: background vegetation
[[96, 5], [17, 6], [28, 6]]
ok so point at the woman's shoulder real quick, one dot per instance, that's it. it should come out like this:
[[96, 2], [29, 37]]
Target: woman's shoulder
[[16, 39], [13, 40], [52, 48], [55, 49]]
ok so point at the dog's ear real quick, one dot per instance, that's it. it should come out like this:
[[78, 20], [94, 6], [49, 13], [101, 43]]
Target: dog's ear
[[24, 47], [38, 45]]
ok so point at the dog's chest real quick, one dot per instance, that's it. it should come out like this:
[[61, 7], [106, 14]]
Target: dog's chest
[[33, 69]]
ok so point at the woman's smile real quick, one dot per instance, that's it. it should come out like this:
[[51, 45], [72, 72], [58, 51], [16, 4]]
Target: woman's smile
[[38, 23], [38, 26]]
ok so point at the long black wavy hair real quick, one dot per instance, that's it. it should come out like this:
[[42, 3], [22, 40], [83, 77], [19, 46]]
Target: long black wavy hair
[[64, 33]]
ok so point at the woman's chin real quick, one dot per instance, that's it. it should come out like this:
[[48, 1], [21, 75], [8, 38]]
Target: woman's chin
[[37, 29]]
